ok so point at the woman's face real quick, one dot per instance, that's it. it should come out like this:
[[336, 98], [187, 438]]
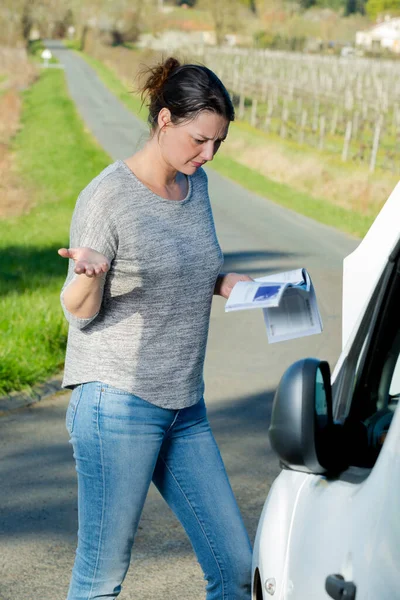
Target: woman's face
[[187, 146]]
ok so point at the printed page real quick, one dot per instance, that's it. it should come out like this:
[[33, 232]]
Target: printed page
[[296, 316], [251, 294], [288, 301], [295, 277]]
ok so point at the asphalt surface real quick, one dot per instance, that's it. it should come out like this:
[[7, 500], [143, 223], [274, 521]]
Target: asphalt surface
[[38, 517]]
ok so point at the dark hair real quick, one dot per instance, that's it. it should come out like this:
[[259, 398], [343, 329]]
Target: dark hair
[[185, 90]]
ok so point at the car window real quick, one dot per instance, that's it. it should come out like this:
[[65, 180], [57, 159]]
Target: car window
[[378, 423], [371, 391], [389, 382], [344, 386], [394, 390]]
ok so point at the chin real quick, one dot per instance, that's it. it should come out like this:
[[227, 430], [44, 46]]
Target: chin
[[189, 169]]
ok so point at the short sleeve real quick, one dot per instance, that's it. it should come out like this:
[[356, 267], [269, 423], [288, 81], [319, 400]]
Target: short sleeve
[[92, 226]]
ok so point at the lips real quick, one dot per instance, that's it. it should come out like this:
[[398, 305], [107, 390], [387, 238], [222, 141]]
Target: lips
[[196, 164]]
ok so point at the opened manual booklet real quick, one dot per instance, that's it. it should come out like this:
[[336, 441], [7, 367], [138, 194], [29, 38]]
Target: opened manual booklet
[[288, 301]]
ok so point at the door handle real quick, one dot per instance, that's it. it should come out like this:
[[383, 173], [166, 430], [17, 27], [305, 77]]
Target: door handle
[[339, 589]]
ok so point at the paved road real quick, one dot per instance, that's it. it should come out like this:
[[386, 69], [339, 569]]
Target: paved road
[[38, 517]]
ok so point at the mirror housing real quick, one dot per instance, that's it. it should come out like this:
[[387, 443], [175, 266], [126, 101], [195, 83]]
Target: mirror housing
[[302, 431]]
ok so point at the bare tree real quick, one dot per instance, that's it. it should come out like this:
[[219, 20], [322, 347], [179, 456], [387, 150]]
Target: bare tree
[[21, 16], [123, 19]]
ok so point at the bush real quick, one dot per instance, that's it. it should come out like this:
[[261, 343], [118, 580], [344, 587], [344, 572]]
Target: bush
[[35, 47], [276, 41]]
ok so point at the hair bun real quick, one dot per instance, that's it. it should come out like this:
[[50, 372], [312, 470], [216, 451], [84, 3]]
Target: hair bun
[[157, 76], [184, 90]]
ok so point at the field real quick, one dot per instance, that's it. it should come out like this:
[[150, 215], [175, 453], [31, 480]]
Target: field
[[41, 176], [297, 170], [52, 159], [348, 107], [16, 72]]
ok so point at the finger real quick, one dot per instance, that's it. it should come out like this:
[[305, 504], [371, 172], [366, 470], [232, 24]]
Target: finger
[[80, 267], [64, 252], [67, 252], [245, 278]]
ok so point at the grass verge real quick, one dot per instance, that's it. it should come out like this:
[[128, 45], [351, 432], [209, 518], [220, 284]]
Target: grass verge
[[55, 159], [320, 209], [315, 208]]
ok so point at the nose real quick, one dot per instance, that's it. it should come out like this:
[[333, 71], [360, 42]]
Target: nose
[[208, 151]]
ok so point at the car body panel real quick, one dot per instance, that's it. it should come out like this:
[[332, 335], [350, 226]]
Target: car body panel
[[363, 267], [273, 533], [312, 527], [355, 533]]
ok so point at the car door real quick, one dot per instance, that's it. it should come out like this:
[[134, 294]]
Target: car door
[[345, 530], [312, 526]]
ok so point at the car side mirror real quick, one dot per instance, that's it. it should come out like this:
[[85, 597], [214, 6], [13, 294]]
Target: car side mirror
[[302, 431]]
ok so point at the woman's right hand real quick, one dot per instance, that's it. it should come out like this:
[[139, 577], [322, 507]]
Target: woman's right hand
[[87, 261]]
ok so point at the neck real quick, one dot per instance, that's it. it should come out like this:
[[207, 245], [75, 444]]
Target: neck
[[149, 165]]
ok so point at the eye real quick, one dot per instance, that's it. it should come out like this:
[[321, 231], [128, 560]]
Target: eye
[[199, 141]]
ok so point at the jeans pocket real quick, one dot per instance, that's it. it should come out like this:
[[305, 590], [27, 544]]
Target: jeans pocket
[[72, 408]]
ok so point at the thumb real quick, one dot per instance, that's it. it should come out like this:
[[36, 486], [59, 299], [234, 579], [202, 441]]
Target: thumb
[[67, 252]]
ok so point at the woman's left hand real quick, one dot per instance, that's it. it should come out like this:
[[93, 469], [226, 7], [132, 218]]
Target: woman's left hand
[[227, 281]]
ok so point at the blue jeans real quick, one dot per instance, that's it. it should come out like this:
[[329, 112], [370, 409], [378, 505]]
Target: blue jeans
[[121, 443]]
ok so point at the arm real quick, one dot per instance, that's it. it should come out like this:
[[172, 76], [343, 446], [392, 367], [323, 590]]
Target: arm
[[218, 283], [83, 295], [94, 243], [226, 281]]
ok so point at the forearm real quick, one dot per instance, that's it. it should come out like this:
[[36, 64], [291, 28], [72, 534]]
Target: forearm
[[83, 296], [218, 283]]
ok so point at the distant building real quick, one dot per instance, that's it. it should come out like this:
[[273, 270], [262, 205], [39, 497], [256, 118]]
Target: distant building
[[174, 39], [382, 36]]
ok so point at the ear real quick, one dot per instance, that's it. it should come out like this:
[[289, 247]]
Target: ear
[[164, 117]]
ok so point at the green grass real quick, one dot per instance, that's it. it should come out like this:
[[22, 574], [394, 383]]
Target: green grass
[[317, 208], [55, 159]]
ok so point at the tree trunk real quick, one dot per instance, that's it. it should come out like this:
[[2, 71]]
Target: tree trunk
[[26, 23], [117, 37], [83, 37]]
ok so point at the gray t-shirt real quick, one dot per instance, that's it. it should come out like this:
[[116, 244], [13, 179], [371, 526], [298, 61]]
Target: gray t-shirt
[[149, 336]]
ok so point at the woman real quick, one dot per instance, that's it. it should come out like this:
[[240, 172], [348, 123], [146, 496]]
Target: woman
[[144, 265]]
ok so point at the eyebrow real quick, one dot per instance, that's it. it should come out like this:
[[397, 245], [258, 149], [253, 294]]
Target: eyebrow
[[207, 138]]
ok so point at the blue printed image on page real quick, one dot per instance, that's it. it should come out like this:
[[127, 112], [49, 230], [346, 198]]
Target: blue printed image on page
[[269, 292]]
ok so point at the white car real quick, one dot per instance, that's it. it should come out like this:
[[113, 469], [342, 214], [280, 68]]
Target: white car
[[330, 527]]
